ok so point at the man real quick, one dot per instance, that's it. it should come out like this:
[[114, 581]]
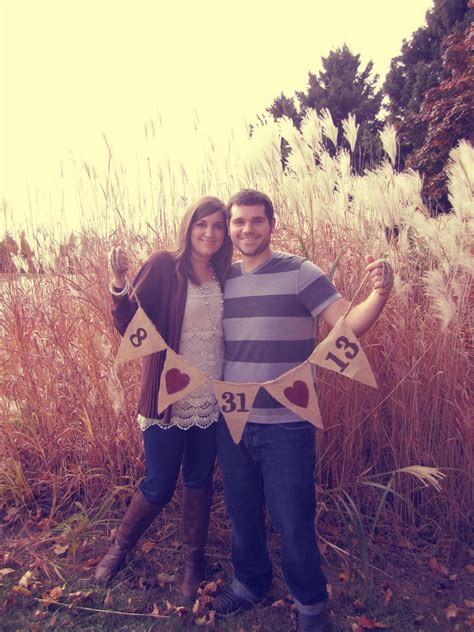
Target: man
[[270, 302]]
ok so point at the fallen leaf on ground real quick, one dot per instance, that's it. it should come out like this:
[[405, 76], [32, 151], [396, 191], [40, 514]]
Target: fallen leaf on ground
[[148, 546], [54, 594], [108, 601], [156, 612], [452, 611], [469, 603], [19, 590], [210, 588], [26, 580], [164, 578], [6, 571], [388, 597], [438, 568], [469, 568], [80, 595], [208, 619], [368, 624], [202, 602], [93, 561], [344, 575], [60, 549]]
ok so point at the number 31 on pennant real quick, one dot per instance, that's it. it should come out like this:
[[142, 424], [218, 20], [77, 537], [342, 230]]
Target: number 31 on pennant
[[230, 405]]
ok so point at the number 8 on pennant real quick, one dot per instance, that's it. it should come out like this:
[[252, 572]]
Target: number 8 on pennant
[[140, 339]]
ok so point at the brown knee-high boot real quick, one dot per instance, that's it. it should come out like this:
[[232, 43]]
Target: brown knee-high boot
[[196, 512], [139, 516]]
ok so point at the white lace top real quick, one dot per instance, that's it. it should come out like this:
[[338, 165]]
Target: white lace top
[[202, 344]]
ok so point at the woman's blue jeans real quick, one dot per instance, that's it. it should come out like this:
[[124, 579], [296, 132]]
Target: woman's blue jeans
[[273, 465], [166, 451]]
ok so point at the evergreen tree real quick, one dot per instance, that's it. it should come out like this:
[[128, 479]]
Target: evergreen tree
[[285, 106], [343, 88]]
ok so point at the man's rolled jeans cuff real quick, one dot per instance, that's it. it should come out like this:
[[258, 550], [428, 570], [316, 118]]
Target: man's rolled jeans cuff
[[243, 592], [314, 608]]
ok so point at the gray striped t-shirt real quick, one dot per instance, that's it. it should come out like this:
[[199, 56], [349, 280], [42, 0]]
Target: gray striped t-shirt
[[269, 324]]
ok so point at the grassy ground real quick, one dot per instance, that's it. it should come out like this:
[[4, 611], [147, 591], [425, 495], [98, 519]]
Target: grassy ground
[[46, 582]]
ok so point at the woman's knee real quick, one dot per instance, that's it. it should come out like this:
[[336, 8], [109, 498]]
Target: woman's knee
[[156, 492]]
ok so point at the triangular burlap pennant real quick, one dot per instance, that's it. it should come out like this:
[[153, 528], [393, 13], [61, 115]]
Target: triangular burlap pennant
[[178, 378], [341, 351], [295, 390], [235, 401], [140, 339]]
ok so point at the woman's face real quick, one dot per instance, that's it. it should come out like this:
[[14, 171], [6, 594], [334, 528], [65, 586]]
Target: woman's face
[[207, 235]]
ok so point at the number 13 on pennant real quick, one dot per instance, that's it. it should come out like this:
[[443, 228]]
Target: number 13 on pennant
[[348, 349], [341, 352]]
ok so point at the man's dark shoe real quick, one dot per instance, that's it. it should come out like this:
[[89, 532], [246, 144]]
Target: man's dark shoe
[[227, 602], [313, 622]]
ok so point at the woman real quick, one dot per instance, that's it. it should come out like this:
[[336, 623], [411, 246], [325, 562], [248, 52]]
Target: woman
[[181, 292]]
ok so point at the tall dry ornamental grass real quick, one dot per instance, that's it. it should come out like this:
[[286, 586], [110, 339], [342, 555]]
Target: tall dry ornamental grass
[[68, 433]]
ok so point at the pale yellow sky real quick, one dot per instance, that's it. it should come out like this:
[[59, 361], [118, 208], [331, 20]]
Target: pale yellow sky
[[71, 71]]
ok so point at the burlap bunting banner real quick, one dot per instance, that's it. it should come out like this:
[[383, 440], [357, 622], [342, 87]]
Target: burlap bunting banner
[[178, 379], [140, 339], [235, 401], [295, 390], [340, 351]]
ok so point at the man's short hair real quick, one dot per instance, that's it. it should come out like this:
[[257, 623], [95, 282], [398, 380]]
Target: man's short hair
[[251, 197]]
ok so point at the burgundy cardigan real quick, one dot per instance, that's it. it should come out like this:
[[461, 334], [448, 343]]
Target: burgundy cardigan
[[162, 294]]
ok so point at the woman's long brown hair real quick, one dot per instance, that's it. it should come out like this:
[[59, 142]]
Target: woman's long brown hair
[[220, 260]]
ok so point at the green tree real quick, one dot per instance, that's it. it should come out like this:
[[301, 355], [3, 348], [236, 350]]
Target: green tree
[[344, 88], [285, 106]]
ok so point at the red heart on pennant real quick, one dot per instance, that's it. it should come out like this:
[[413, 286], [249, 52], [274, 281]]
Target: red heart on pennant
[[176, 381], [297, 394]]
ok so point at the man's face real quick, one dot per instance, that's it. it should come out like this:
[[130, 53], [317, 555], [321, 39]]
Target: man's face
[[250, 229]]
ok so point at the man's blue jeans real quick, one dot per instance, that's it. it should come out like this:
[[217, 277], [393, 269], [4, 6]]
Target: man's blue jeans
[[273, 464]]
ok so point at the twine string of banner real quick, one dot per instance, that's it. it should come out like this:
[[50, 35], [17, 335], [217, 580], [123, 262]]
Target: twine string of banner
[[356, 294], [134, 294]]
